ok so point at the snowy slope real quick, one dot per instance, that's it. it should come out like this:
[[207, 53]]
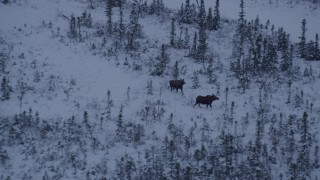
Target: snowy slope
[[281, 14], [75, 78]]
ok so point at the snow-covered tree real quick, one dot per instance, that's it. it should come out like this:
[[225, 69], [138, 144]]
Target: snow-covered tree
[[5, 89], [162, 62], [173, 33], [302, 43], [216, 18], [106, 111]]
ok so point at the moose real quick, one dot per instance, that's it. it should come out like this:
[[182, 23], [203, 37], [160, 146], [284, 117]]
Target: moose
[[177, 84], [205, 100]]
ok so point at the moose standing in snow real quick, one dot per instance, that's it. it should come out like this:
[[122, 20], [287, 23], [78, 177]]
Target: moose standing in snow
[[205, 100], [177, 84]]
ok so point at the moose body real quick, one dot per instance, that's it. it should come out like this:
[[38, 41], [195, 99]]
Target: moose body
[[207, 100], [177, 84]]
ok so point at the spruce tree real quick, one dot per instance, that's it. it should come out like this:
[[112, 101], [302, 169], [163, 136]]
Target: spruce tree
[[79, 29], [120, 131], [316, 53], [109, 16], [121, 31], [290, 139], [195, 80], [181, 13], [150, 88], [241, 20], [73, 27], [216, 19], [176, 172], [134, 29], [286, 63], [5, 89], [175, 71], [210, 22], [162, 62], [302, 43], [85, 123], [202, 47], [186, 42], [227, 152], [187, 13], [269, 59], [257, 55], [316, 157], [173, 33], [106, 112], [193, 51], [187, 173], [210, 74], [4, 57], [303, 160], [240, 33], [274, 138]]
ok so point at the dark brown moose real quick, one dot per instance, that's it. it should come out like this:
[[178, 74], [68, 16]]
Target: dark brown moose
[[205, 100], [177, 84]]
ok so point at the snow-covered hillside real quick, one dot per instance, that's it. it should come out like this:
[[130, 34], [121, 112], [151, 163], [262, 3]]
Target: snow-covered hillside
[[82, 103], [282, 13]]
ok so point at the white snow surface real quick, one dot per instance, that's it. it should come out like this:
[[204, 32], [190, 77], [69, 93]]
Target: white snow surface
[[281, 14], [21, 26]]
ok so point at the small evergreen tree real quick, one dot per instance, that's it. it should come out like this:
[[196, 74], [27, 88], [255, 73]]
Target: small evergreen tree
[[125, 168], [274, 138], [135, 30], [316, 157], [210, 74], [121, 31], [150, 88], [187, 173], [193, 52], [173, 33], [109, 15], [106, 112], [216, 19], [195, 80], [186, 41], [257, 55], [162, 62], [120, 131], [187, 18], [210, 21], [85, 123], [316, 54], [73, 27], [303, 160], [302, 43], [240, 32], [175, 71], [4, 57], [202, 47], [5, 89], [290, 139]]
